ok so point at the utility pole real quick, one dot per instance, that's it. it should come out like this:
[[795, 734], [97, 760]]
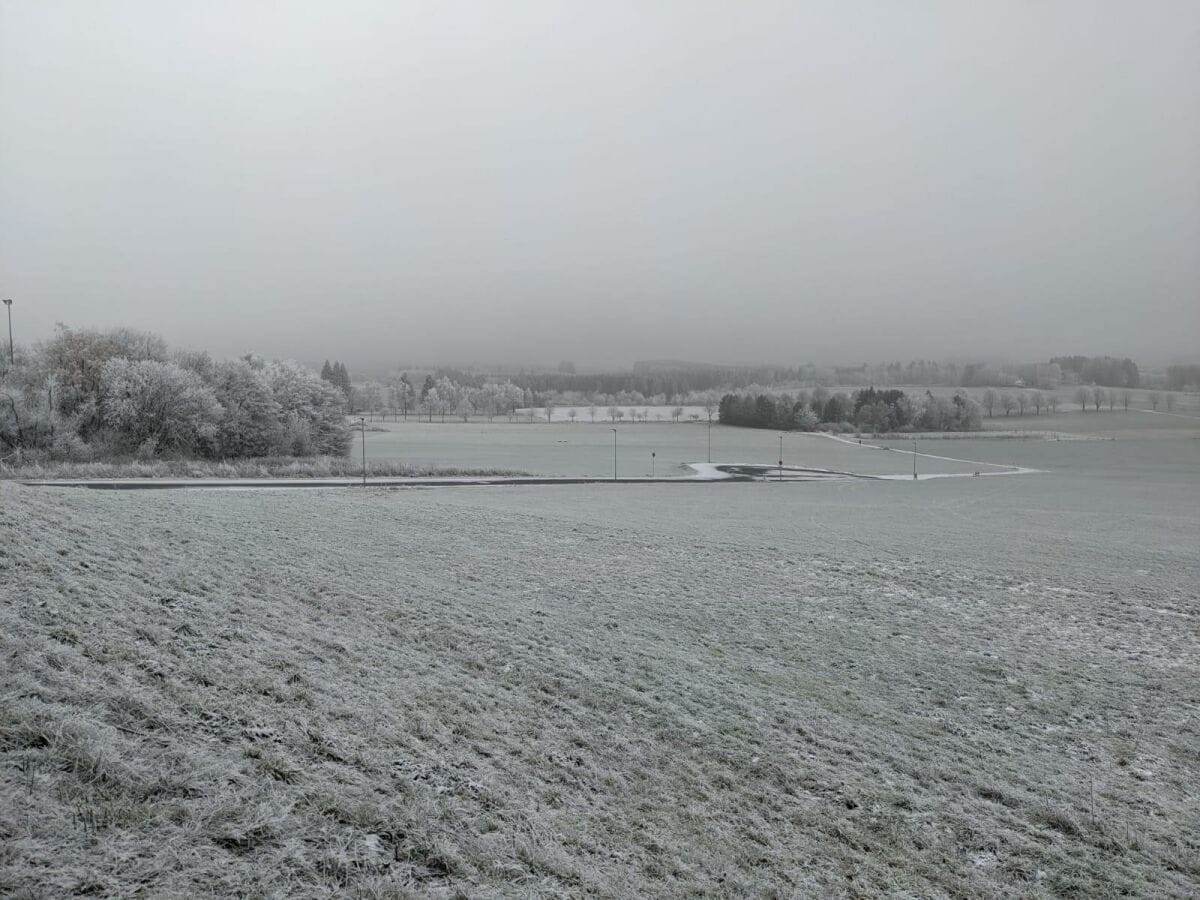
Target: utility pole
[[11, 361], [363, 425]]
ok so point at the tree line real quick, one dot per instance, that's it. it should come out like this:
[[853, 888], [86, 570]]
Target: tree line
[[868, 410], [674, 382], [88, 394], [1107, 371]]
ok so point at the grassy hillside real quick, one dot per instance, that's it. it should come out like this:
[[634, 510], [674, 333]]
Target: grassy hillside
[[498, 692]]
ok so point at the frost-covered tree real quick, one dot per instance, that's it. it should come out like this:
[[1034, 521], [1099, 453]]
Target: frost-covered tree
[[990, 399], [251, 422], [152, 407], [313, 412], [75, 359], [430, 402], [29, 417], [1082, 396], [449, 395]]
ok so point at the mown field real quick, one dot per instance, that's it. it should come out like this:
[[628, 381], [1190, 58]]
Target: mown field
[[964, 688]]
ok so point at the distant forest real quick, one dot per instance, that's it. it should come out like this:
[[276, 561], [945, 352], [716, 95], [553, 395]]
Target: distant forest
[[668, 382]]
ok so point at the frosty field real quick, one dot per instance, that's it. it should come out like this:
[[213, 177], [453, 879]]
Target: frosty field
[[967, 687], [584, 448]]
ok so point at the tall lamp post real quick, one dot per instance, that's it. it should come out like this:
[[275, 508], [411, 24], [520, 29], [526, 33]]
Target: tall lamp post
[[11, 361], [614, 431], [362, 424]]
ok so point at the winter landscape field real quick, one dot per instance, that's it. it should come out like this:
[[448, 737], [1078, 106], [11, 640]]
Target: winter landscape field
[[584, 448], [966, 687], [599, 450]]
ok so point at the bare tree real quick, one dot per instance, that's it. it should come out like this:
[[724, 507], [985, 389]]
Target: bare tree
[[1170, 399], [592, 411], [571, 414], [1112, 399], [1052, 403], [1126, 396], [676, 413], [1097, 397], [1007, 403], [1081, 397], [990, 399], [549, 411], [1022, 402], [612, 414], [1155, 398], [1038, 399]]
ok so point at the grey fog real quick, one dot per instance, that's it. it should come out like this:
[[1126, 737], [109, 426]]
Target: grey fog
[[606, 182]]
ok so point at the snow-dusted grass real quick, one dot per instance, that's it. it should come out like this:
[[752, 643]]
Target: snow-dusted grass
[[273, 467], [968, 687], [585, 449]]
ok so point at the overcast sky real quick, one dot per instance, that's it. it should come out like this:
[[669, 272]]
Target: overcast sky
[[606, 181]]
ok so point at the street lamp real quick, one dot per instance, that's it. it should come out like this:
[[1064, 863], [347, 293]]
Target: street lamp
[[362, 423], [8, 303], [614, 431]]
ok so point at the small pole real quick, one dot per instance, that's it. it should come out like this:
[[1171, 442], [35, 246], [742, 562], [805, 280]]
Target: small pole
[[363, 425], [781, 457], [710, 438], [652, 454], [11, 360], [914, 459], [614, 431]]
